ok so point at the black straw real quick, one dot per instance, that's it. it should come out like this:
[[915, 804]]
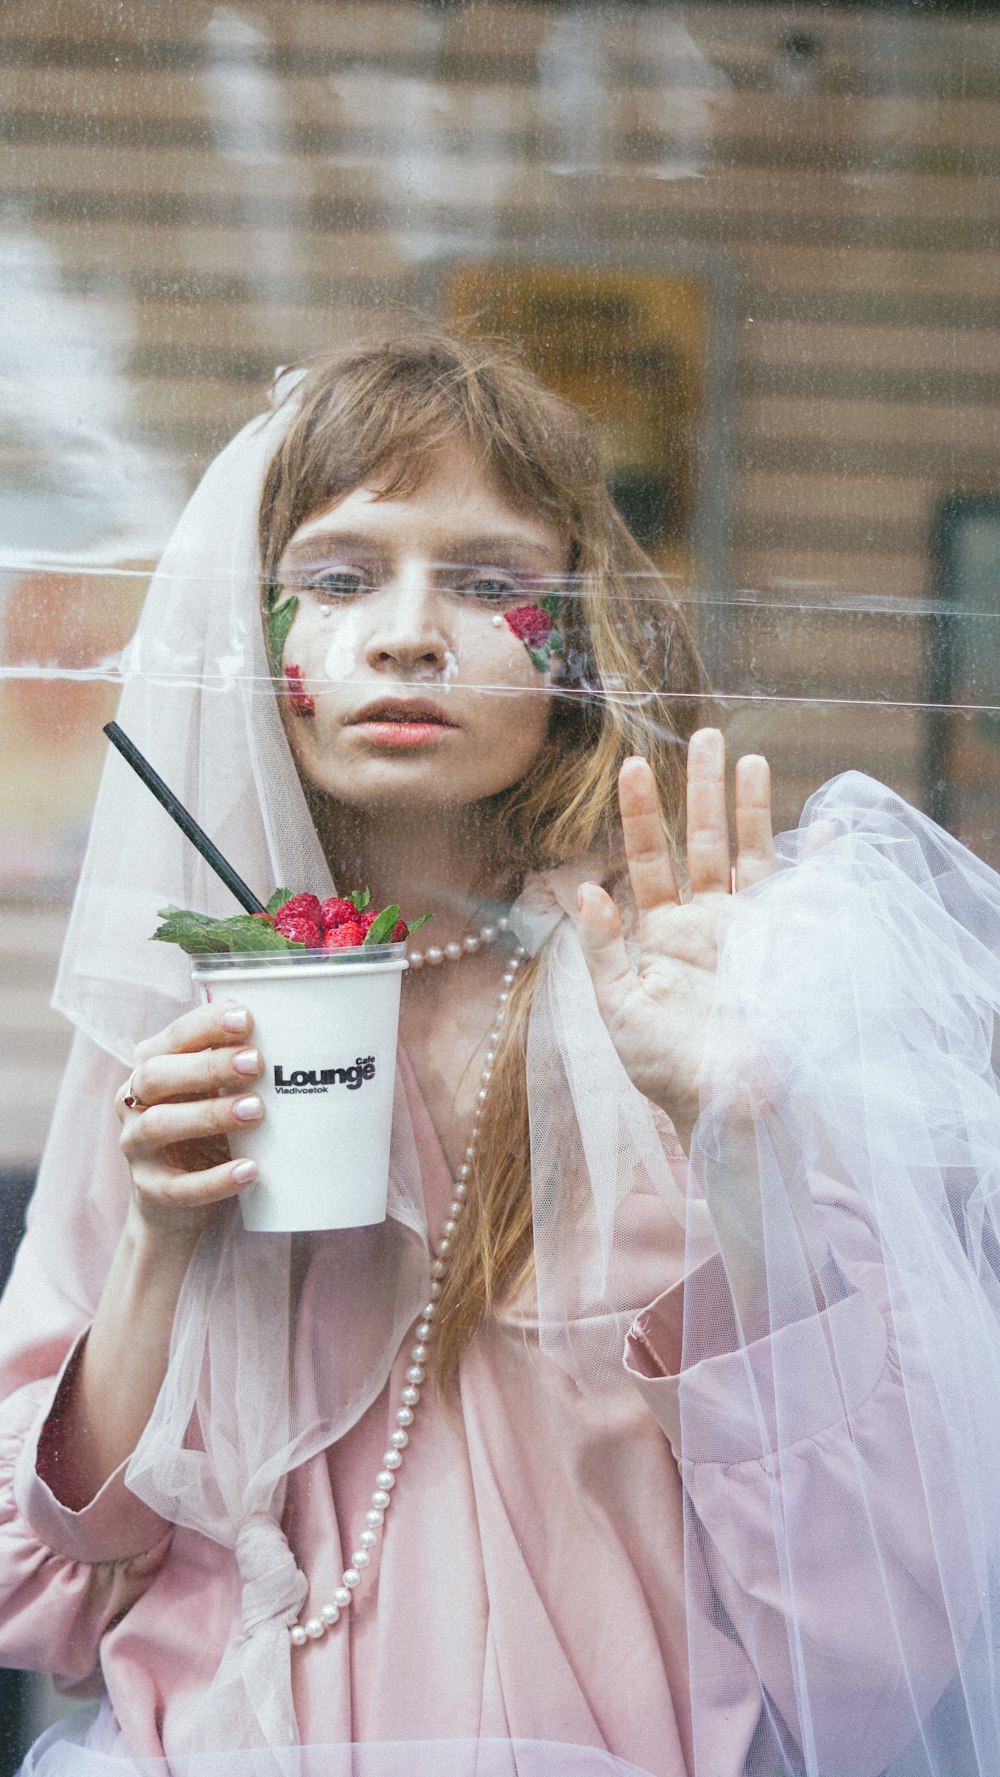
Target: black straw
[[211, 853]]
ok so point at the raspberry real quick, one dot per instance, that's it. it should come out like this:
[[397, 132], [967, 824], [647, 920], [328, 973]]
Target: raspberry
[[337, 912], [299, 907], [530, 624], [399, 931], [368, 919], [301, 931], [344, 937]]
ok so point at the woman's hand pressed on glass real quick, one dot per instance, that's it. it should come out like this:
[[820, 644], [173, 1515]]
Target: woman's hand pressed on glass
[[657, 1009], [194, 1083]]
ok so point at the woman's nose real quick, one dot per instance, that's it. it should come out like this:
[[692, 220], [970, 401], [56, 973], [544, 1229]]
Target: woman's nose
[[409, 631]]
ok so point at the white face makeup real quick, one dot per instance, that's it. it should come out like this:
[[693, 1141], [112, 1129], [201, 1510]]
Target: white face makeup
[[345, 643], [420, 695]]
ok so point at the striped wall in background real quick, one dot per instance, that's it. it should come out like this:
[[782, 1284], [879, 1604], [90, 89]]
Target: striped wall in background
[[191, 194]]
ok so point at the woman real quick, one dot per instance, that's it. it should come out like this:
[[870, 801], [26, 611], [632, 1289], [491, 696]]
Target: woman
[[642, 1465]]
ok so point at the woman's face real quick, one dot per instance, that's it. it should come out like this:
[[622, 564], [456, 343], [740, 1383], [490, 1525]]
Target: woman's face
[[420, 692]]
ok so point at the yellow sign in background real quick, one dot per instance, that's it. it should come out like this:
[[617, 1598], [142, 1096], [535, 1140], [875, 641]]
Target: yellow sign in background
[[628, 345]]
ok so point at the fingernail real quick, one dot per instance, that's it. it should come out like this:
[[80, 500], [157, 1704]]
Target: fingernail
[[244, 1172], [247, 1062], [235, 1019], [248, 1109], [584, 893]]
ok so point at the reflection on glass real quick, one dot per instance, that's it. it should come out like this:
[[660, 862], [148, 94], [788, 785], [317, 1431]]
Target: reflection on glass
[[759, 245]]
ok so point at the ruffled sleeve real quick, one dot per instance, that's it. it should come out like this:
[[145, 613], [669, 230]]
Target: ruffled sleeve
[[64, 1575]]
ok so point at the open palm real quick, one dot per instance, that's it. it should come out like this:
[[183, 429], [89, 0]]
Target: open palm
[[657, 1010]]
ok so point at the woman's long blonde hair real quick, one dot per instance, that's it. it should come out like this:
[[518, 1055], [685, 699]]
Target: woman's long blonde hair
[[378, 415]]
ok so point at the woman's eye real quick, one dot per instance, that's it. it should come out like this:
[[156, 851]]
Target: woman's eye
[[492, 588], [340, 583]]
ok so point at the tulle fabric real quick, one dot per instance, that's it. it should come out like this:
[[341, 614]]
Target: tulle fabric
[[89, 1748], [198, 700], [849, 1080], [612, 1226], [281, 1343], [852, 1057], [849, 1083], [252, 1389]]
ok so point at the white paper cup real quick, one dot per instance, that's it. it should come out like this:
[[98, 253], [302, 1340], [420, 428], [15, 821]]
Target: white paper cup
[[326, 1024]]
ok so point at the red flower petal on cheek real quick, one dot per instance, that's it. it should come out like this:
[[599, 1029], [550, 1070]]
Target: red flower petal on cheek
[[298, 696], [530, 624]]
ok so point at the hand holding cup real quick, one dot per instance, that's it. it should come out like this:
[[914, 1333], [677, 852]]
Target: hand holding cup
[[194, 1085]]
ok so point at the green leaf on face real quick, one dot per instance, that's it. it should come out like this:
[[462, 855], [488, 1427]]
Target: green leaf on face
[[414, 925], [278, 900], [360, 898], [554, 642], [539, 658], [382, 928], [279, 621]]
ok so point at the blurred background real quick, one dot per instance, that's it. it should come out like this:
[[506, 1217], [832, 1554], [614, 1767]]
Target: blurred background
[[762, 242]]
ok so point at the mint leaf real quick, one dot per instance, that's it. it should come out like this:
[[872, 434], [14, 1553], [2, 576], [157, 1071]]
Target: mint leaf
[[243, 932], [278, 900], [200, 935], [382, 928], [279, 622], [414, 925], [194, 932], [360, 898]]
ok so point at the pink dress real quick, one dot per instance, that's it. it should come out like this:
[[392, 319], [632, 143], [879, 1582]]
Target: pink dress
[[535, 1574]]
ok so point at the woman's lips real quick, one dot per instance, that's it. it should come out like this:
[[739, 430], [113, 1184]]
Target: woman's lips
[[402, 725]]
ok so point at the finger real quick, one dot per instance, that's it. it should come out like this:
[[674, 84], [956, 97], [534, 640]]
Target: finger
[[817, 836], [207, 1027], [148, 1133], [754, 839], [160, 1189], [650, 870], [600, 931], [198, 1074], [708, 855]]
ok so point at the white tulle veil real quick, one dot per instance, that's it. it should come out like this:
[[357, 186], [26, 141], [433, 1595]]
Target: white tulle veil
[[850, 1095]]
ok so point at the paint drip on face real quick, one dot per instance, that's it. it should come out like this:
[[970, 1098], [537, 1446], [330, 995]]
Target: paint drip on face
[[299, 699], [342, 654]]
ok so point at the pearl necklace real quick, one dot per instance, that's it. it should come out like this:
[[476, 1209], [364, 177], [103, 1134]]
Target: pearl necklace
[[316, 1627], [435, 954]]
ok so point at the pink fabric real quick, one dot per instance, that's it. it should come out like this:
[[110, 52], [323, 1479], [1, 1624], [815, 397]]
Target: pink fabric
[[531, 1582]]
